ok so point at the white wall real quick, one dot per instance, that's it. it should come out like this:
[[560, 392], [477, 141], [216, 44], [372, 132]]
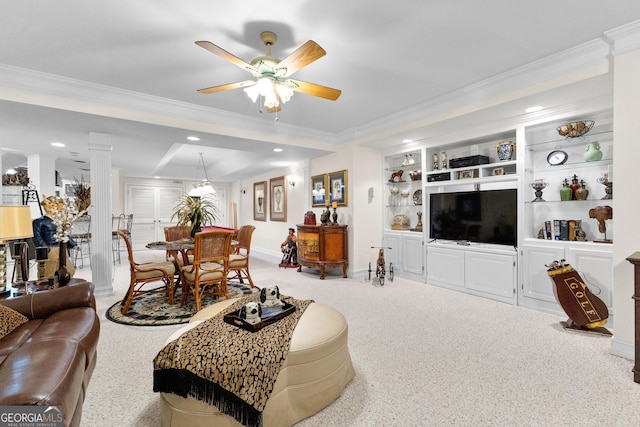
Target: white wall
[[363, 166], [625, 196]]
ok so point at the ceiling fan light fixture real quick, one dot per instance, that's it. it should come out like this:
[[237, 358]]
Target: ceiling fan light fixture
[[284, 92]]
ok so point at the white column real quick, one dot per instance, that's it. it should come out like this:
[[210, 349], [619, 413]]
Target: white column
[[100, 175], [42, 173]]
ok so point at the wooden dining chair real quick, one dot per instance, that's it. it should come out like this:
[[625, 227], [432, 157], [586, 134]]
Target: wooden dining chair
[[142, 274], [239, 260], [208, 273], [178, 232]]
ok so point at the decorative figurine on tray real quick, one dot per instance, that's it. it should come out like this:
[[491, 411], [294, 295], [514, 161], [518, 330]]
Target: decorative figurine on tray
[[270, 296], [251, 312]]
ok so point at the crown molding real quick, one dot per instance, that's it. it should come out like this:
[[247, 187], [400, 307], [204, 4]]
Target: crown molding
[[49, 90], [570, 66], [624, 38]]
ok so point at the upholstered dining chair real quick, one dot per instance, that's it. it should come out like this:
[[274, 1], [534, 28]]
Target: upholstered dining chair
[[239, 260], [208, 272], [141, 274]]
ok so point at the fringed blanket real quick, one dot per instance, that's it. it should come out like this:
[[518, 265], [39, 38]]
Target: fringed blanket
[[227, 366]]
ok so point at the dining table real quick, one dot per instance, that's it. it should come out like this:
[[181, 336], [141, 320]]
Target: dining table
[[181, 245]]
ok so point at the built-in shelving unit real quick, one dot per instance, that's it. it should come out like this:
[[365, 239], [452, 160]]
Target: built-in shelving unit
[[514, 274]]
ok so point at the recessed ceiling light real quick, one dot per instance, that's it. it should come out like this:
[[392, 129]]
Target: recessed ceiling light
[[278, 150], [193, 138], [58, 144], [405, 141], [533, 109]]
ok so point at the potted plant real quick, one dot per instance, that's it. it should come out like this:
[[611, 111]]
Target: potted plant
[[195, 211]]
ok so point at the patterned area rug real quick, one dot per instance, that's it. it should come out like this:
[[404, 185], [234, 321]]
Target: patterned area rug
[[155, 310]]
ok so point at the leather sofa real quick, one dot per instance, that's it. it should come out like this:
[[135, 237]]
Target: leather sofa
[[49, 359]]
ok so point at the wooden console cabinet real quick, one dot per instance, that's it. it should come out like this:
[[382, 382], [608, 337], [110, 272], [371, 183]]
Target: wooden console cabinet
[[323, 246]]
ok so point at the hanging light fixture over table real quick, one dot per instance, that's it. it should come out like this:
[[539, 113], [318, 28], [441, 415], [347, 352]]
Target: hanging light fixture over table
[[202, 188]]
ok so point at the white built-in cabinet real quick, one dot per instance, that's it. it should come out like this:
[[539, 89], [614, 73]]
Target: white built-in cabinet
[[476, 269], [404, 247], [515, 275]]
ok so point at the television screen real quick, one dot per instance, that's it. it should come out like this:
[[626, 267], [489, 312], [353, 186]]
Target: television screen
[[474, 216]]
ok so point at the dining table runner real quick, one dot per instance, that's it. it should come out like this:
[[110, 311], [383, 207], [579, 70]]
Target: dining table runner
[[227, 366]]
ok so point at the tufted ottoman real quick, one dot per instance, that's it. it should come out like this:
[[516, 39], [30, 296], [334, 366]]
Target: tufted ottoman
[[317, 368]]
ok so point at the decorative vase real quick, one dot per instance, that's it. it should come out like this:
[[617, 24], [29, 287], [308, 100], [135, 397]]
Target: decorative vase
[[335, 217], [574, 186], [195, 229], [582, 192], [436, 162], [505, 150], [565, 191], [310, 218], [592, 152], [411, 160], [405, 162], [443, 158], [62, 276], [538, 185], [324, 216]]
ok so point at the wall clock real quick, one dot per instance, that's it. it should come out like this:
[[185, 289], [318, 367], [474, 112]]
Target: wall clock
[[557, 158]]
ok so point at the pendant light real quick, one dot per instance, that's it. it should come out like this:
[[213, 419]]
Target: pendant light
[[203, 187]]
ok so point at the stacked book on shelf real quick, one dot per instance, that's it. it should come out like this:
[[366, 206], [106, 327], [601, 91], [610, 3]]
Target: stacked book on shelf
[[563, 229]]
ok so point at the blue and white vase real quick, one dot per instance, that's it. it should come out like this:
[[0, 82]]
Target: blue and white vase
[[505, 150]]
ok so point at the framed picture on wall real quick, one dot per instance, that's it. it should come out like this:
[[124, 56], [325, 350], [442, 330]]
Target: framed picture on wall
[[318, 190], [337, 182], [259, 201], [278, 199]]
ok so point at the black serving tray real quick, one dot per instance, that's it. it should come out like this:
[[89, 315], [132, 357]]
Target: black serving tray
[[269, 315]]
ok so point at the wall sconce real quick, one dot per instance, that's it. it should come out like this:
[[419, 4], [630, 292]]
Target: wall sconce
[[292, 183]]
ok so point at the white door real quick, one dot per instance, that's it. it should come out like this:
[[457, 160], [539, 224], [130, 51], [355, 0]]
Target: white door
[[151, 207]]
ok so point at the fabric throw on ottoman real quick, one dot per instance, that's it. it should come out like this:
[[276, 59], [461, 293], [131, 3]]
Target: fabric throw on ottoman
[[226, 366]]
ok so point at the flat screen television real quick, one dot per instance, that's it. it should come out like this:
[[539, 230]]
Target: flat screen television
[[475, 216]]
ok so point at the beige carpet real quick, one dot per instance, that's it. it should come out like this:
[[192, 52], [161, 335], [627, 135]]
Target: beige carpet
[[424, 356]]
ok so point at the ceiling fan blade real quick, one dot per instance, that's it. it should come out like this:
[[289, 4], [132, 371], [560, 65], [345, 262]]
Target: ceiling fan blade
[[301, 57], [217, 50], [314, 89], [220, 88]]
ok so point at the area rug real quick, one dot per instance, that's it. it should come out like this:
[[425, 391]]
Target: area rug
[[155, 310]]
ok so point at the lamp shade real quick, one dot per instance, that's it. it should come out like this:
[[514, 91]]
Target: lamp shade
[[15, 222]]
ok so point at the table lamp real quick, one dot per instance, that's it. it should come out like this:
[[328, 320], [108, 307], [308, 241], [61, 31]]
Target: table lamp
[[15, 223]]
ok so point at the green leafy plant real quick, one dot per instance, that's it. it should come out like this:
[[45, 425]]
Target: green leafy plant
[[195, 211]]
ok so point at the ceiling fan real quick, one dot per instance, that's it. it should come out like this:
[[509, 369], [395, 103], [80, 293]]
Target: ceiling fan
[[271, 75]]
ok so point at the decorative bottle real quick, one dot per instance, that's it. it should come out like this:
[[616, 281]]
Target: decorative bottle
[[582, 192], [574, 186], [580, 234], [565, 191], [445, 163]]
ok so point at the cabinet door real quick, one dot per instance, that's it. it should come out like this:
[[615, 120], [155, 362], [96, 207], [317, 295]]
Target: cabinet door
[[445, 267], [596, 269], [412, 254], [536, 284], [391, 256], [494, 274]]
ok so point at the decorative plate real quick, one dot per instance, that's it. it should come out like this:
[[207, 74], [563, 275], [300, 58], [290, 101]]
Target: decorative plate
[[417, 197]]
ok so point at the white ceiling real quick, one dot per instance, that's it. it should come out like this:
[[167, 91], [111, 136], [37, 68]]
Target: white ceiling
[[134, 67]]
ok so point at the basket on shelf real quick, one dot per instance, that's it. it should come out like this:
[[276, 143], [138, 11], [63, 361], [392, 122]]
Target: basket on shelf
[[575, 129]]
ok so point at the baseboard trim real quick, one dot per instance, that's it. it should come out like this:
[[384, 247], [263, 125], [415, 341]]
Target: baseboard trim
[[622, 349]]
